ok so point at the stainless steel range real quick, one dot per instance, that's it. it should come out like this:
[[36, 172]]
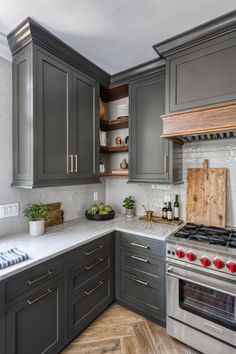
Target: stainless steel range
[[201, 288]]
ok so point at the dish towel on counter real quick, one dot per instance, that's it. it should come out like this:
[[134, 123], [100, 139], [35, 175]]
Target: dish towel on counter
[[12, 256]]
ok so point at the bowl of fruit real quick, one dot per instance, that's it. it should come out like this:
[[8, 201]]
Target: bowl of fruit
[[100, 212]]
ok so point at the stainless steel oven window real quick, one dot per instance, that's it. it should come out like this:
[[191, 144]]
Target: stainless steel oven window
[[208, 303]]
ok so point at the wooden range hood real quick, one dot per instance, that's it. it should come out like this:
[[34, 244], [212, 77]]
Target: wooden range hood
[[200, 124]]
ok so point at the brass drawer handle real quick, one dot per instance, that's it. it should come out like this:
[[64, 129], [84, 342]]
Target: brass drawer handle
[[140, 281], [100, 260], [100, 283], [31, 282], [31, 302], [94, 250], [140, 259], [76, 163], [139, 245], [71, 157]]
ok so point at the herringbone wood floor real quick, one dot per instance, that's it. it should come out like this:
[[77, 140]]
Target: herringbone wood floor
[[120, 331]]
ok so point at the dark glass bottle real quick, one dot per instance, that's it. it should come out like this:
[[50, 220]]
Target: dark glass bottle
[[169, 212], [164, 211], [176, 208]]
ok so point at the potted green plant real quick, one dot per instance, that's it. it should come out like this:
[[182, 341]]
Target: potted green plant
[[36, 214], [129, 205]]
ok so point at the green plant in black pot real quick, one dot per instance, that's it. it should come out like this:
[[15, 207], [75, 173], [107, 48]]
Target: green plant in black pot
[[129, 205], [36, 214]]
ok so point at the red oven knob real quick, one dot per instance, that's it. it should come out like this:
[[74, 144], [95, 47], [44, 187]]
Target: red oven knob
[[231, 266], [191, 256], [205, 261], [218, 263], [180, 253]]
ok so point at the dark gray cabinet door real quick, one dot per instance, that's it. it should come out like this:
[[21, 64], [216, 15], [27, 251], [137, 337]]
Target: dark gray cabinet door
[[202, 75], [35, 324], [85, 131], [2, 319], [53, 118], [149, 153]]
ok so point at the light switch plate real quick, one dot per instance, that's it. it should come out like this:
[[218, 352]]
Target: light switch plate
[[8, 210]]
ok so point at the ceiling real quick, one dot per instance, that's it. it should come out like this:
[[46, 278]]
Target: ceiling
[[115, 34]]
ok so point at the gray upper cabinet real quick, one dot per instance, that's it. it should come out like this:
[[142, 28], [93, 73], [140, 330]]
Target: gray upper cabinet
[[55, 121], [150, 156]]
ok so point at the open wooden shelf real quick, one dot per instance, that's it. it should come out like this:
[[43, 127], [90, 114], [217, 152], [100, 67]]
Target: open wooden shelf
[[120, 123], [107, 149], [116, 92], [109, 174]]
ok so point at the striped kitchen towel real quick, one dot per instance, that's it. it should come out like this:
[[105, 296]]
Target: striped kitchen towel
[[11, 256]]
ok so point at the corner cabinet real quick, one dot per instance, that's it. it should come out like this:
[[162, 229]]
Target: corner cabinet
[[55, 121], [151, 158]]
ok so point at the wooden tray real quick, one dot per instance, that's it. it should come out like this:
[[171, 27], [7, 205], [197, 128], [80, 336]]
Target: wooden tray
[[159, 220]]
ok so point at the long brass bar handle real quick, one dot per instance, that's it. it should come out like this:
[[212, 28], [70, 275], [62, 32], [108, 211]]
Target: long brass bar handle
[[100, 260], [140, 281], [33, 281], [145, 260], [76, 163], [31, 302], [165, 163], [100, 283], [94, 250], [71, 169], [139, 245]]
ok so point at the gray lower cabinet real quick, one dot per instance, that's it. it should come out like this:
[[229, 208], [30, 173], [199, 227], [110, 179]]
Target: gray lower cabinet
[[2, 319], [151, 158], [140, 275], [35, 324], [55, 121]]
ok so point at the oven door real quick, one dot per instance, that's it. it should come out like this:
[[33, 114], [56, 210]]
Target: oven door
[[205, 302]]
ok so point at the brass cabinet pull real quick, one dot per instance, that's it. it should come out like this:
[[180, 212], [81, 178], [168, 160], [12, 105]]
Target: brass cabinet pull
[[165, 164], [94, 250], [49, 272], [140, 259], [140, 281], [31, 302], [76, 163], [100, 260], [71, 169], [139, 245], [100, 283]]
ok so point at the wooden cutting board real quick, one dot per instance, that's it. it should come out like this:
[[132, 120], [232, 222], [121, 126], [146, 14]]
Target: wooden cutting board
[[206, 195], [55, 215]]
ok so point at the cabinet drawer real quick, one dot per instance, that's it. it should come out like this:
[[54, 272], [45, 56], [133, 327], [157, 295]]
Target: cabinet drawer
[[94, 248], [33, 277], [143, 293], [85, 271], [136, 261], [92, 298], [144, 245]]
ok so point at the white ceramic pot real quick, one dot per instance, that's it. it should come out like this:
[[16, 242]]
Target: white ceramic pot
[[129, 213], [36, 228]]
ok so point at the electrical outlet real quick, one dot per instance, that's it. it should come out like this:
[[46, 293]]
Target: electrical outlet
[[166, 199], [95, 196], [8, 210]]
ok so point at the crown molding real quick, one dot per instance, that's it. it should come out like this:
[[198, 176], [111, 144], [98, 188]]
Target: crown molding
[[5, 52], [197, 35]]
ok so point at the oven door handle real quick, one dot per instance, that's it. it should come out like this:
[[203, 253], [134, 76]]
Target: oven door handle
[[172, 274]]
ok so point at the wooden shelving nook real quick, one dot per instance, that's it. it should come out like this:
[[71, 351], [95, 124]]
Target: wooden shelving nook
[[106, 149], [114, 124]]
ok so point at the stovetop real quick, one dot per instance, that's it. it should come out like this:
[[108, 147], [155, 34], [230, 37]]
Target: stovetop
[[207, 234]]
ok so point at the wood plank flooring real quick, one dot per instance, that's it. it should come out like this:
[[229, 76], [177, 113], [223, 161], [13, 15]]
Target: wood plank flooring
[[120, 331]]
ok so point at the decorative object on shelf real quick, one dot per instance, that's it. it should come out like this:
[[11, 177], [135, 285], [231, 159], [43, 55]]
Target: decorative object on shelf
[[55, 215], [100, 212], [127, 140], [102, 167], [36, 214], [101, 110], [122, 110], [124, 164], [129, 205], [118, 140], [103, 138], [123, 171]]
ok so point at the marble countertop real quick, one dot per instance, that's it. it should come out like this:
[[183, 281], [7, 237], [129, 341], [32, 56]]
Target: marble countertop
[[72, 234]]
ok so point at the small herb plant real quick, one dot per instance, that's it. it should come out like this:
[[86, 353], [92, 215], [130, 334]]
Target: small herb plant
[[129, 203], [36, 212]]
